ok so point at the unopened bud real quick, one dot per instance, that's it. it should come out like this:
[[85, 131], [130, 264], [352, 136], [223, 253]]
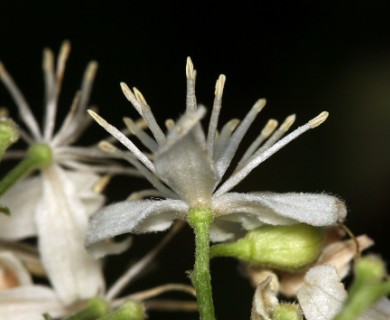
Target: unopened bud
[[277, 247]]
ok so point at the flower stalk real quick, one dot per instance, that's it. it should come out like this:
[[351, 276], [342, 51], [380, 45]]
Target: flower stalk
[[39, 155], [200, 220]]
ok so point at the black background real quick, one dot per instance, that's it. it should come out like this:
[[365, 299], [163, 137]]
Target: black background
[[303, 57]]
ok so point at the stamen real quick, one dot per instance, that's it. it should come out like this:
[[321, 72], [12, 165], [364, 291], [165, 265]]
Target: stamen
[[102, 183], [152, 178], [124, 140], [153, 292], [169, 124], [135, 269], [268, 129], [224, 161], [191, 76], [213, 124], [255, 161], [139, 103], [86, 87], [224, 137], [146, 140], [319, 119], [67, 125], [50, 94], [284, 127], [21, 103], [148, 116], [61, 62]]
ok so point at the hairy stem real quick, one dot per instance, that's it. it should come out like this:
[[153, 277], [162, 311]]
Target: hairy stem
[[200, 220]]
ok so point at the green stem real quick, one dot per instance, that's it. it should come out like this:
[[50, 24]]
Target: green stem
[[38, 156], [131, 310], [200, 220], [95, 309]]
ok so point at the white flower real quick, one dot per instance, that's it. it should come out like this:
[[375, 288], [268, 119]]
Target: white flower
[[20, 299], [55, 205], [322, 296], [188, 167]]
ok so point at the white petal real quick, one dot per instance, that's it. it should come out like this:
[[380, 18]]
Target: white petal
[[322, 294], [12, 269], [134, 217], [225, 230], [185, 153], [380, 311], [29, 303], [62, 220], [85, 182], [285, 208], [22, 199]]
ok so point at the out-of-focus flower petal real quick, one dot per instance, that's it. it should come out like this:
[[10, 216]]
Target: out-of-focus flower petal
[[30, 303], [183, 162], [323, 293], [85, 181], [12, 271], [135, 217], [285, 208], [264, 301], [62, 220], [222, 230], [380, 311], [22, 199]]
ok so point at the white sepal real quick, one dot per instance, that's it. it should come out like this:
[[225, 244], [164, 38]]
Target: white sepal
[[281, 208], [61, 220], [30, 303], [21, 199], [134, 217], [323, 293]]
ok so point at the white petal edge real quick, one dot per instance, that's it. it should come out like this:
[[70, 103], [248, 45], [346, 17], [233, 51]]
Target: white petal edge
[[29, 303], [380, 311], [22, 200], [283, 208], [134, 217], [62, 221], [322, 294], [10, 263]]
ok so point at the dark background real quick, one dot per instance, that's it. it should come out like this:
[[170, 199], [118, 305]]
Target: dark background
[[303, 57]]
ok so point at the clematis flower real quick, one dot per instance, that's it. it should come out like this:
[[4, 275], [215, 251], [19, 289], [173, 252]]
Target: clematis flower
[[323, 294], [22, 299], [188, 170], [55, 205]]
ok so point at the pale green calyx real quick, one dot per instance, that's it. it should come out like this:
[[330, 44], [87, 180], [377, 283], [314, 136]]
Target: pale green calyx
[[8, 134], [278, 247], [40, 154], [287, 311]]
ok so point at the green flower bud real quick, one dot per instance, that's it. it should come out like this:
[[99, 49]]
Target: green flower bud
[[278, 247], [130, 310], [95, 309], [286, 311], [40, 154], [8, 134]]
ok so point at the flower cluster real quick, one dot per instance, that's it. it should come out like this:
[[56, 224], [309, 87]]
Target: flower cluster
[[287, 240]]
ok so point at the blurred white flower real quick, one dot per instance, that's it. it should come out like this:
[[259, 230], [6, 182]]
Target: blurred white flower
[[55, 205], [322, 296], [20, 299], [188, 167]]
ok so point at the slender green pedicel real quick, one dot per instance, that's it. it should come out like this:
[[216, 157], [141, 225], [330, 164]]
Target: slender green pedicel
[[200, 220], [39, 156]]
